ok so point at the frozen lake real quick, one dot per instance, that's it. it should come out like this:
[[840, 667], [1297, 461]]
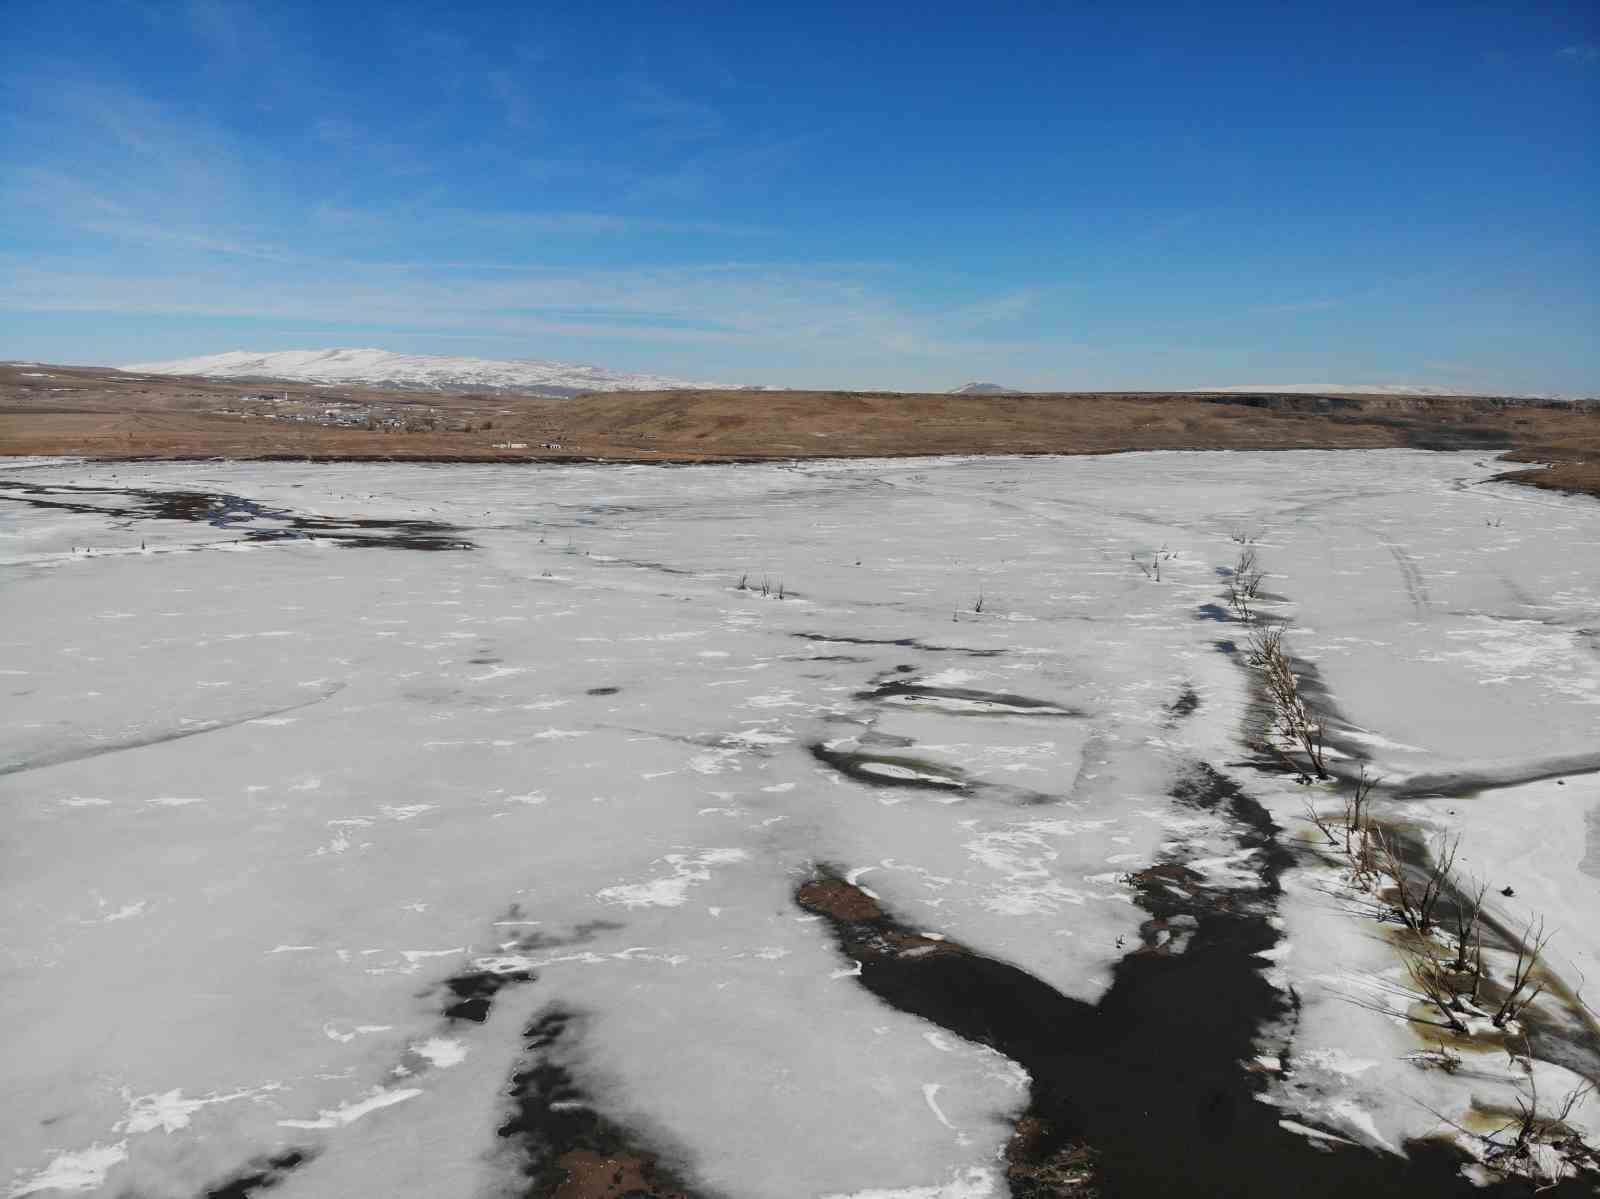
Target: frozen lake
[[419, 830]]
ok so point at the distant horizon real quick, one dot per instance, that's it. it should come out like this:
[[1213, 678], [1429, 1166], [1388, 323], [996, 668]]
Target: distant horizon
[[816, 196], [1398, 388]]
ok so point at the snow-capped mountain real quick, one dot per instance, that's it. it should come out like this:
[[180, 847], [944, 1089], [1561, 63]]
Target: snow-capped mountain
[[380, 368]]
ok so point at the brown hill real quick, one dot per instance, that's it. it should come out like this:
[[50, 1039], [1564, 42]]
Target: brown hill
[[111, 414]]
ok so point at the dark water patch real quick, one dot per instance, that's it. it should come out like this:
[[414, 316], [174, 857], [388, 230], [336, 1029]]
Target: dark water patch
[[257, 522], [602, 690], [1225, 646], [1187, 703], [261, 1175], [1214, 612], [472, 992], [1144, 1093], [568, 1148], [964, 701], [848, 658], [903, 642], [891, 770], [475, 990]]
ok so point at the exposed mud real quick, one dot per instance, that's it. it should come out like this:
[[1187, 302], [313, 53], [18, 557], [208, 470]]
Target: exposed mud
[[568, 1149], [1144, 1093], [256, 521]]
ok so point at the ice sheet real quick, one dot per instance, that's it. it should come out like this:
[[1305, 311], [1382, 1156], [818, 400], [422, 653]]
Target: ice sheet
[[262, 804]]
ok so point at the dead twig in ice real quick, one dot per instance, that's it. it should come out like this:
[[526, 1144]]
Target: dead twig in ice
[[1529, 947]]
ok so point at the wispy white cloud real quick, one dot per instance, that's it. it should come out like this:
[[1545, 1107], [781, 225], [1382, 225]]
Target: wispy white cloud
[[997, 309], [825, 312], [601, 223], [145, 208], [672, 120]]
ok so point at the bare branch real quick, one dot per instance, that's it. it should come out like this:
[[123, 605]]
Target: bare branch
[[1529, 947]]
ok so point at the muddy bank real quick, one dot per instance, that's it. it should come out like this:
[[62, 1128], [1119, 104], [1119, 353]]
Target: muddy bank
[[567, 1149], [1145, 1093]]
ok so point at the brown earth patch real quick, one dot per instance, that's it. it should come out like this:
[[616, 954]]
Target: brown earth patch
[[836, 898], [865, 930], [103, 413], [1038, 1167], [592, 1175]]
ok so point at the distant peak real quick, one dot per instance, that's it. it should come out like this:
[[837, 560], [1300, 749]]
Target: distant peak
[[984, 389], [427, 372]]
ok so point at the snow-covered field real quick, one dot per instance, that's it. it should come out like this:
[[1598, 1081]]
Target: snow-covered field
[[265, 801]]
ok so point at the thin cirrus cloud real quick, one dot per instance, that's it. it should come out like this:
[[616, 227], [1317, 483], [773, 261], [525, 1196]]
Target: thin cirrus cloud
[[751, 306], [788, 199]]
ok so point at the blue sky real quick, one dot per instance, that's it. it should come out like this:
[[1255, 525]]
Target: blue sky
[[876, 195]]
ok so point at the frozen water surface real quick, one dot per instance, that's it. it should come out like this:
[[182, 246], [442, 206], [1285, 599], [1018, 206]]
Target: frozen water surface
[[304, 833]]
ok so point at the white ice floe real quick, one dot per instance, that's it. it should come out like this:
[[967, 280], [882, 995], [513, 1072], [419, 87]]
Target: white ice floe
[[81, 1171], [671, 890], [442, 1052], [349, 1113]]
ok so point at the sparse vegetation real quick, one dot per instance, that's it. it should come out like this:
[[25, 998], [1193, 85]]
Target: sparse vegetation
[[1428, 975], [1468, 907], [1152, 569], [1442, 947], [1244, 584], [1355, 812], [1537, 1143], [767, 589], [1529, 946], [1291, 720], [1417, 907]]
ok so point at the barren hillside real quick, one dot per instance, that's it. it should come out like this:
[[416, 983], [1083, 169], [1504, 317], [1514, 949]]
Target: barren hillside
[[112, 414]]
